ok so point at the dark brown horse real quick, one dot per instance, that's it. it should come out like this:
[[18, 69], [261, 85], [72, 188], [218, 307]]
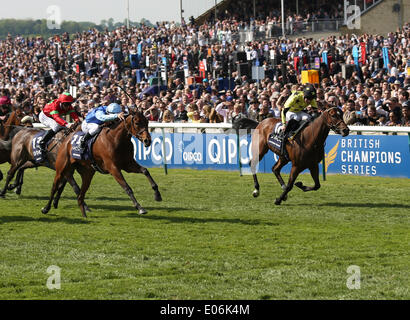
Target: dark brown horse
[[305, 151], [21, 158], [112, 152]]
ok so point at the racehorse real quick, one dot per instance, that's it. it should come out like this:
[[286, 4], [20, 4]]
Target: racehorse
[[12, 121], [7, 131], [21, 158], [305, 151], [5, 148], [112, 152]]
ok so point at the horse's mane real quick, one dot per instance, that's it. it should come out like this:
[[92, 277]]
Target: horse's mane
[[112, 125]]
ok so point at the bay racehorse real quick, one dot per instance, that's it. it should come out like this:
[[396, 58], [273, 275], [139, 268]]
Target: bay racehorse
[[5, 148], [21, 158], [13, 120], [8, 129], [305, 151], [112, 152]]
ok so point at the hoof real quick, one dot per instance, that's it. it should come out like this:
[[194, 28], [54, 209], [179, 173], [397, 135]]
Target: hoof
[[45, 210], [18, 191], [278, 201], [2, 195], [55, 205], [142, 211], [87, 208], [11, 187], [158, 197], [299, 184], [255, 193]]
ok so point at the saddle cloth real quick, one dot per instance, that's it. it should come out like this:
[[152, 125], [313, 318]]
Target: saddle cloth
[[35, 144], [85, 154], [275, 138], [76, 151]]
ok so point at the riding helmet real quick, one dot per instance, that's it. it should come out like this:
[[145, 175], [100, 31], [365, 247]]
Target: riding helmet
[[114, 108], [309, 92], [66, 98]]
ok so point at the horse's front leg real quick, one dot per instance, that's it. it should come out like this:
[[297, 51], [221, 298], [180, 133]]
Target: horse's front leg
[[140, 169], [292, 177], [314, 172], [116, 173]]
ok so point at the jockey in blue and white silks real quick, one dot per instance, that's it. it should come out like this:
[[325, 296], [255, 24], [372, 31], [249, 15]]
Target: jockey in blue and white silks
[[98, 116]]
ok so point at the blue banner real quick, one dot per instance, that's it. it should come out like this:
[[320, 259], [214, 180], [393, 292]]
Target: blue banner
[[355, 53], [376, 155], [324, 57], [385, 51]]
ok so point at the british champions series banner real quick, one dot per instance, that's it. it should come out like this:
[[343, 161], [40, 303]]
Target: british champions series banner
[[375, 155]]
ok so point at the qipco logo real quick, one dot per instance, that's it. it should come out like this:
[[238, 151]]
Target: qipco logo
[[192, 156]]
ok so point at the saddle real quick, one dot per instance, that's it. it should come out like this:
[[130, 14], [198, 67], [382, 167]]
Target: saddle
[[278, 138]]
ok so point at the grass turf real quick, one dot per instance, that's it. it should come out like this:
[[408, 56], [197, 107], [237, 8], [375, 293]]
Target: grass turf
[[208, 239]]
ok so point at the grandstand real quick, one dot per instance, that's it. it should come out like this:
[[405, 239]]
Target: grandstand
[[314, 16]]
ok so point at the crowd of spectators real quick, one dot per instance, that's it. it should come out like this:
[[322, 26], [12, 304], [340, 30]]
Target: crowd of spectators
[[35, 71], [268, 14]]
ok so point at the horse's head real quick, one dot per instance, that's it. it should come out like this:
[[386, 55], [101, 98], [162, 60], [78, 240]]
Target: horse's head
[[137, 125], [334, 120]]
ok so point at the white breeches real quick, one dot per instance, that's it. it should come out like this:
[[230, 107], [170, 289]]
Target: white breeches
[[90, 128], [297, 116], [49, 122]]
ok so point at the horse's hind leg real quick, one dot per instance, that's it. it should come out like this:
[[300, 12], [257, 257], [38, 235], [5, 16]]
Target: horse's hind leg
[[276, 170], [20, 175], [76, 189], [57, 184], [10, 175], [140, 169], [19, 181], [121, 181], [86, 177], [59, 192], [292, 177], [314, 172], [16, 182], [262, 151]]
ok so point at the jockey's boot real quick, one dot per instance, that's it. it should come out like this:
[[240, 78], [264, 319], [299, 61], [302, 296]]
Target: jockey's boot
[[302, 124], [84, 140], [47, 137]]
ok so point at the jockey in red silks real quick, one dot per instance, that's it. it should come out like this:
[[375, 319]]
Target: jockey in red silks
[[51, 116]]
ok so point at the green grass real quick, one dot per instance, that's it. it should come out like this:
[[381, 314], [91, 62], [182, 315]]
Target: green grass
[[208, 239]]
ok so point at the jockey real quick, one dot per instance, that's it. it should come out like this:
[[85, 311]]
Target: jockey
[[51, 116], [296, 103], [96, 117]]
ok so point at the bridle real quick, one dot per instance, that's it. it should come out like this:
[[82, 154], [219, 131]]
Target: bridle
[[332, 126], [132, 126]]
